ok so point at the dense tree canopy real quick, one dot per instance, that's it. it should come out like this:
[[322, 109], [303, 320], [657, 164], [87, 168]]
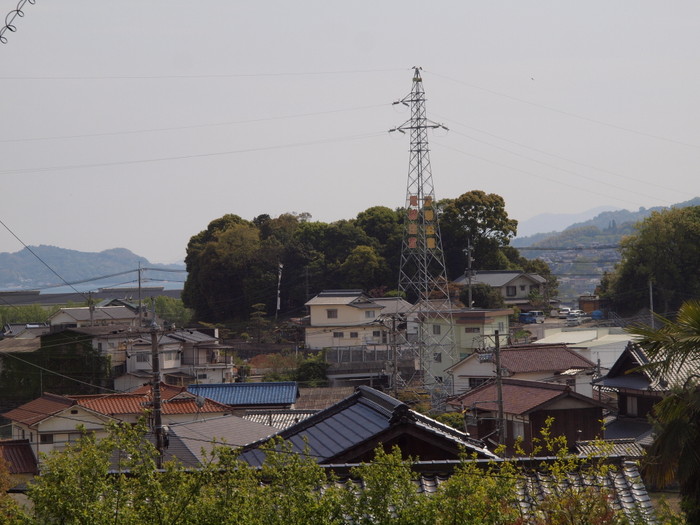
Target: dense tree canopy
[[665, 250], [235, 263]]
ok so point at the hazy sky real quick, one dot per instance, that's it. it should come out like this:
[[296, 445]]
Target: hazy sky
[[135, 123]]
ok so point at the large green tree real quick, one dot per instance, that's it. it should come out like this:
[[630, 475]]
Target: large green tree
[[479, 219], [664, 251]]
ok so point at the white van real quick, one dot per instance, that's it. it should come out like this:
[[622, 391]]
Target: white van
[[539, 316]]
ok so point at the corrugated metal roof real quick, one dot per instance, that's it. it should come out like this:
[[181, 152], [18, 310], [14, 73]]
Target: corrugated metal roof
[[357, 420], [249, 394]]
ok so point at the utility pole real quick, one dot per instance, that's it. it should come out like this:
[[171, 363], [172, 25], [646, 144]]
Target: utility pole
[[469, 273], [155, 387], [499, 391], [395, 371], [651, 304]]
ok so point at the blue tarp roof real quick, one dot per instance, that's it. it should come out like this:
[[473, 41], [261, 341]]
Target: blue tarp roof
[[249, 394]]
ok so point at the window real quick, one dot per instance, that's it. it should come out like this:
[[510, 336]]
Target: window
[[46, 439], [353, 335], [501, 326], [511, 291], [332, 313], [477, 381], [632, 406], [370, 314], [518, 429], [436, 329], [472, 330], [522, 287], [201, 376], [376, 333], [142, 358], [99, 347], [338, 335], [437, 357]]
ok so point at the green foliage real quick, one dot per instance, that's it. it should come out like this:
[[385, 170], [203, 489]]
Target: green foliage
[[10, 511], [483, 296], [311, 371], [80, 486], [481, 218], [171, 310], [664, 250], [234, 263], [453, 419], [31, 313]]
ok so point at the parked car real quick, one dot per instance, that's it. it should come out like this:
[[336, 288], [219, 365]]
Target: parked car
[[578, 313], [564, 312], [539, 316], [527, 318], [573, 320]]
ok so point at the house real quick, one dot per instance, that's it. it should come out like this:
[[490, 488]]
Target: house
[[526, 407], [529, 362], [241, 396], [52, 421], [341, 318], [515, 286], [349, 431], [638, 390], [474, 328], [602, 345], [77, 317]]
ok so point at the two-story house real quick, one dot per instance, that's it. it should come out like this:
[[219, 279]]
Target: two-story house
[[515, 286], [341, 318], [551, 363], [472, 329]]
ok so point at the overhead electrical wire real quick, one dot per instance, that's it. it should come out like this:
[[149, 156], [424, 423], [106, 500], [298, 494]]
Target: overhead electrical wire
[[193, 156], [567, 113]]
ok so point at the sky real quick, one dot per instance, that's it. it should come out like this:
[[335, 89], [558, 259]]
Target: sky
[[134, 124]]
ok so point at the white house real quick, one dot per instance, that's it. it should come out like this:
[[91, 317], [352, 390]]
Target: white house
[[515, 286], [342, 318]]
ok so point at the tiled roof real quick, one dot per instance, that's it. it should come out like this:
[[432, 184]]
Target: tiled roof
[[622, 484], [519, 397], [358, 420], [249, 394], [541, 358], [39, 409], [19, 456], [279, 419], [174, 401], [105, 313], [627, 447]]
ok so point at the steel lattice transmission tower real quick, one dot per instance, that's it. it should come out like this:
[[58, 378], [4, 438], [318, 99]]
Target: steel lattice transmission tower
[[422, 272]]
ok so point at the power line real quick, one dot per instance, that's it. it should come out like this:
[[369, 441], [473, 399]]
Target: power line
[[567, 113], [193, 156]]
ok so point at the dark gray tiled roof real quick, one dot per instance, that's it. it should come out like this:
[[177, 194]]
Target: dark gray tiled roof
[[623, 483], [356, 420]]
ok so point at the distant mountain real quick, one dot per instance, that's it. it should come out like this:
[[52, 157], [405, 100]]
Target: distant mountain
[[556, 222], [42, 267], [581, 252], [607, 227]]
